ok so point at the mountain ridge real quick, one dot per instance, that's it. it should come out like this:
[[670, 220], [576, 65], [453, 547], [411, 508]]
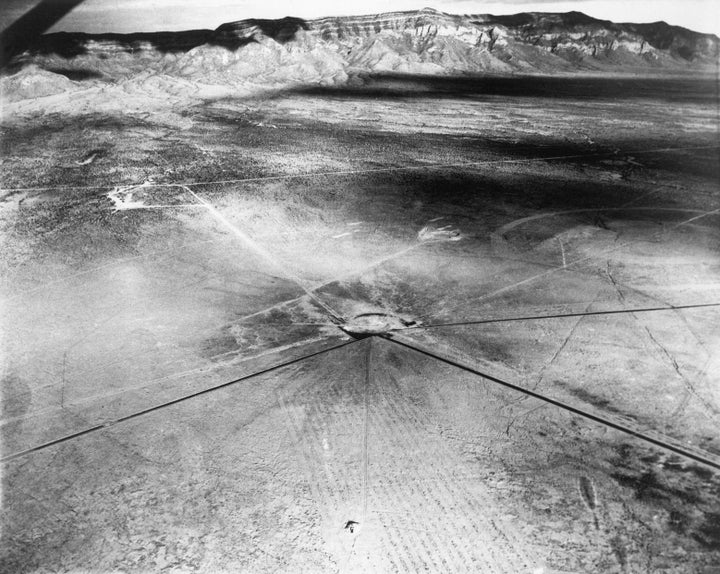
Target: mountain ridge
[[553, 32], [340, 50]]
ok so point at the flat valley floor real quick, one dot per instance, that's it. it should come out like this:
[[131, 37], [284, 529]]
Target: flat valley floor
[[418, 325]]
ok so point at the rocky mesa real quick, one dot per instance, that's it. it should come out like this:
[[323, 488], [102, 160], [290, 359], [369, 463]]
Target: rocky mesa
[[334, 51]]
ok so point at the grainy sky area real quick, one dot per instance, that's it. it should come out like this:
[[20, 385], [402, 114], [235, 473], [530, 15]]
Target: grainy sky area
[[153, 15]]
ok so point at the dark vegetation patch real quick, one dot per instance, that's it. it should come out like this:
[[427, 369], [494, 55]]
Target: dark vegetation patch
[[353, 291], [278, 317], [75, 212], [477, 195], [219, 344], [235, 143], [79, 227], [649, 486], [590, 398], [16, 396], [708, 533], [675, 464], [686, 494], [43, 152], [679, 522], [225, 144]]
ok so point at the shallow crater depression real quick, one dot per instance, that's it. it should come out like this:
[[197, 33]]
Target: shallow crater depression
[[367, 324]]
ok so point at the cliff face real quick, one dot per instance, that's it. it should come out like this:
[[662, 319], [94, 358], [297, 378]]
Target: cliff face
[[588, 36], [330, 50]]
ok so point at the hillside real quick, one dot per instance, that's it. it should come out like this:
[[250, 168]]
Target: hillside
[[333, 51]]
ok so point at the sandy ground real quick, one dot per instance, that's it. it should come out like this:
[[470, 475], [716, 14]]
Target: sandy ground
[[569, 247]]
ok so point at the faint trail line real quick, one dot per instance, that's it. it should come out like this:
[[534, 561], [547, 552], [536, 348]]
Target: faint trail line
[[184, 398], [371, 265], [62, 390], [368, 379], [617, 284], [361, 171], [302, 453], [320, 285], [111, 264], [663, 442], [294, 323], [700, 216], [625, 207], [266, 255], [363, 521], [557, 316], [134, 207], [711, 411], [522, 415], [690, 388], [561, 348], [160, 380], [554, 270]]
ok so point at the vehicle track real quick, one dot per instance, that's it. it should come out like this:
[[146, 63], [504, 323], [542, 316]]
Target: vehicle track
[[556, 316], [574, 262], [454, 506], [260, 251], [422, 507], [154, 408], [9, 191], [660, 440]]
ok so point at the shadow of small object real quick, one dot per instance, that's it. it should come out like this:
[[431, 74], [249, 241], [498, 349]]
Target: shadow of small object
[[91, 156], [350, 525]]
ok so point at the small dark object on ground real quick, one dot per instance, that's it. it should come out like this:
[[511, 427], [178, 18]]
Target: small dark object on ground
[[350, 525]]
